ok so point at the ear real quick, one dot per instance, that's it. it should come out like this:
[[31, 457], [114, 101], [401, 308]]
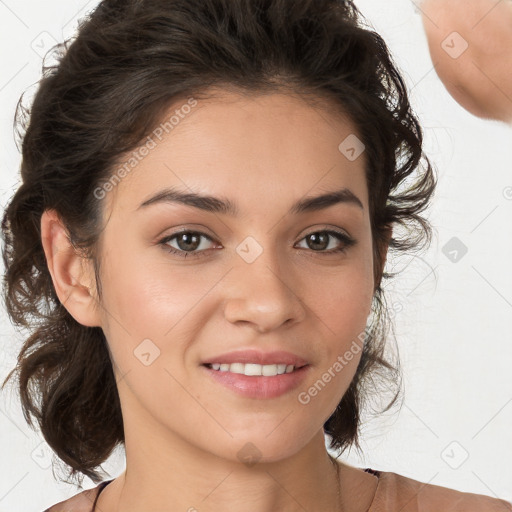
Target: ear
[[72, 274]]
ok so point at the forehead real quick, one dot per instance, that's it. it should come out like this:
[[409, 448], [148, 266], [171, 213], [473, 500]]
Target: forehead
[[251, 147]]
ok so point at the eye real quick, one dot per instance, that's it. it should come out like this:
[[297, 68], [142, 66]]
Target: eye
[[189, 243], [320, 240]]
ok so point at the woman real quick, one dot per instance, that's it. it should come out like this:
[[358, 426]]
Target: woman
[[210, 189]]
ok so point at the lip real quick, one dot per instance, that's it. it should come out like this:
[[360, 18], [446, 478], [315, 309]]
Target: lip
[[259, 387], [258, 357]]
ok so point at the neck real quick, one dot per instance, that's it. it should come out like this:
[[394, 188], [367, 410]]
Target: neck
[[307, 480]]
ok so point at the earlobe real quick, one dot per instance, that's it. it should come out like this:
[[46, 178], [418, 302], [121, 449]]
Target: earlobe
[[69, 271]]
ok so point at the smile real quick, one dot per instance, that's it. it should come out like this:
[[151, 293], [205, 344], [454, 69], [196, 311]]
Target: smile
[[249, 381], [253, 369]]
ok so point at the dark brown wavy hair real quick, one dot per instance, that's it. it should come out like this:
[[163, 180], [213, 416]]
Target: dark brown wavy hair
[[107, 91]]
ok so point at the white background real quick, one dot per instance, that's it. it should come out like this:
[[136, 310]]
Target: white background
[[453, 320]]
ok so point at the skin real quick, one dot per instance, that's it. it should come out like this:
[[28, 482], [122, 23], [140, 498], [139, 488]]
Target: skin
[[479, 79], [183, 430]]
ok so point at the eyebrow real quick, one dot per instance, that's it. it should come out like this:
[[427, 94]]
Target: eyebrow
[[225, 206]]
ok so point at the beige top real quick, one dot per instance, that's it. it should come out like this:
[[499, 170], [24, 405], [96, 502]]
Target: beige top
[[394, 493]]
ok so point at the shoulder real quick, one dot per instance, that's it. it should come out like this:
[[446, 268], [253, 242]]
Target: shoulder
[[81, 502], [398, 492]]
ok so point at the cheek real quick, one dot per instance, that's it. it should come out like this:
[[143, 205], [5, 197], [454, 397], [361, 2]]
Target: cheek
[[156, 301], [342, 318], [341, 304], [150, 293], [342, 299]]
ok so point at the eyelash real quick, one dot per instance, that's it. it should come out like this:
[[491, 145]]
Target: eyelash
[[342, 237]]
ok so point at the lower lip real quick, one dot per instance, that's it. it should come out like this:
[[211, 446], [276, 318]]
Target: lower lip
[[259, 386]]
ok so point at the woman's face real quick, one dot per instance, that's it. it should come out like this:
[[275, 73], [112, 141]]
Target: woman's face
[[265, 277]]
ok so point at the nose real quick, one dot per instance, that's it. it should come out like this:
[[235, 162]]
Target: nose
[[261, 295]]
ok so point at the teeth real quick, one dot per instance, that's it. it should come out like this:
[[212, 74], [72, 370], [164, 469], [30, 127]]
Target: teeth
[[267, 370]]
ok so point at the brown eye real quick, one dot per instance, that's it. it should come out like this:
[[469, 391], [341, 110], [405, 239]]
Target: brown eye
[[319, 241], [188, 243]]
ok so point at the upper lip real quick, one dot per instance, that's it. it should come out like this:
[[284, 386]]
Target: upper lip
[[258, 357]]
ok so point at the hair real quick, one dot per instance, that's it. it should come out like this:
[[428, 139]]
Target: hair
[[111, 84]]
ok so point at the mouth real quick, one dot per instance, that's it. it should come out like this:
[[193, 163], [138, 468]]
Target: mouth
[[254, 369], [256, 381]]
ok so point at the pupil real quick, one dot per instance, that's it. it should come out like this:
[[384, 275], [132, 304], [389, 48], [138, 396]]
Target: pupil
[[188, 237], [315, 237]]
